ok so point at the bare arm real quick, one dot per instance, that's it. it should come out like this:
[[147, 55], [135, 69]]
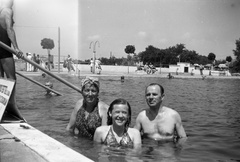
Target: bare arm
[[179, 127], [137, 141], [71, 124], [103, 112], [98, 135], [138, 123]]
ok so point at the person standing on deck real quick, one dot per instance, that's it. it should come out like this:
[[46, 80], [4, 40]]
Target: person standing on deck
[[34, 59], [29, 66], [201, 69], [69, 64], [38, 61], [91, 65], [7, 64], [98, 66], [159, 122]]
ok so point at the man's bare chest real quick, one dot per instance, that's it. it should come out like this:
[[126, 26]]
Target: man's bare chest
[[159, 125]]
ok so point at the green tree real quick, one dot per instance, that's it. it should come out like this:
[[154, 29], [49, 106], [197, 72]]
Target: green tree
[[130, 49], [211, 57], [179, 48], [48, 44], [236, 52], [229, 58]]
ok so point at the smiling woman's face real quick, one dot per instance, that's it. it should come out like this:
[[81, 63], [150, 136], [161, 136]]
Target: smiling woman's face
[[120, 114]]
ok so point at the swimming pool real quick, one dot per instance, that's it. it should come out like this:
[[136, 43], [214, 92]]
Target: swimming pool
[[209, 110]]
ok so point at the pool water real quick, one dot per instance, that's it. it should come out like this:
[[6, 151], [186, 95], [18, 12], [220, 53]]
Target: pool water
[[209, 110]]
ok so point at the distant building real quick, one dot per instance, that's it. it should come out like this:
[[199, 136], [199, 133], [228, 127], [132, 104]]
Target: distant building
[[181, 67]]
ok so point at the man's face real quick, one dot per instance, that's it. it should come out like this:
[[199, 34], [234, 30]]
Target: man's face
[[153, 96]]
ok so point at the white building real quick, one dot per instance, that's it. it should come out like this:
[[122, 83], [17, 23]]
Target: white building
[[182, 67]]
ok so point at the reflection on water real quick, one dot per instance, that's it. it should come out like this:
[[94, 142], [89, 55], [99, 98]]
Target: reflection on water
[[209, 110]]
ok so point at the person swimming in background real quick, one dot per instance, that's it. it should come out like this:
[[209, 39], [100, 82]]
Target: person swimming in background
[[122, 78], [170, 76], [117, 132], [49, 85], [89, 112]]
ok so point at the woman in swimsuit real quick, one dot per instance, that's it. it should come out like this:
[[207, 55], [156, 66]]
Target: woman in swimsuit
[[117, 132], [89, 112]]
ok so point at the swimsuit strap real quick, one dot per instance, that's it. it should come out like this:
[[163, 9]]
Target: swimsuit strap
[[112, 141]]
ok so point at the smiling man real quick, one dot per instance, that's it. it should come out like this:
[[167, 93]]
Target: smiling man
[[159, 122]]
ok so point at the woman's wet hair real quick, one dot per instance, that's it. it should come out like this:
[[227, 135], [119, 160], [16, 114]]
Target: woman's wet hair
[[119, 101]]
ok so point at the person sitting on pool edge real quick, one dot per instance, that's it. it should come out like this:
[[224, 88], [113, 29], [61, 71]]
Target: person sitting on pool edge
[[159, 122], [117, 132], [89, 112]]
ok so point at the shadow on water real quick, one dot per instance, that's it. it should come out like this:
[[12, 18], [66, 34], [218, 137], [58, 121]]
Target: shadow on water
[[209, 110]]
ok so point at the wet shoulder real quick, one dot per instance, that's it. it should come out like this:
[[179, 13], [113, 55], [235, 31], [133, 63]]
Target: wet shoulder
[[103, 106], [103, 128], [133, 131], [78, 104], [171, 112], [142, 114]]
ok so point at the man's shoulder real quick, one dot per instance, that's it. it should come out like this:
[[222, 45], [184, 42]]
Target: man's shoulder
[[133, 130], [170, 110], [142, 114]]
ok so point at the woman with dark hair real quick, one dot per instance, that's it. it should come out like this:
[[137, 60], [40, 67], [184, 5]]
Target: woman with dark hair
[[118, 133], [89, 112]]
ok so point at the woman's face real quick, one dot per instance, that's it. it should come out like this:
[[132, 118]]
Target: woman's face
[[90, 93], [120, 114]]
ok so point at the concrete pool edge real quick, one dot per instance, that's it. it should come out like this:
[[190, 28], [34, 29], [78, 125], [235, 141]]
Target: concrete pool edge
[[43, 145]]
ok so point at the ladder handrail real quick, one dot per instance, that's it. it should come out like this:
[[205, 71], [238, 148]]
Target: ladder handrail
[[41, 68], [36, 82]]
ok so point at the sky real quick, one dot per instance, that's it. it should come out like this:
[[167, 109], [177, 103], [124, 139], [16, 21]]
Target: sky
[[108, 26], [39, 19]]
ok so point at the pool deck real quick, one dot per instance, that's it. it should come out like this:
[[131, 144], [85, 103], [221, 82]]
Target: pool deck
[[20, 142], [12, 149]]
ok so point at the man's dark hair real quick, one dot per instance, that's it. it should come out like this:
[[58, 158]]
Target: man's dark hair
[[156, 84]]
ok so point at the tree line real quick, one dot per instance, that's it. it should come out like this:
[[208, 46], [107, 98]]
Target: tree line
[[163, 57], [171, 55]]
